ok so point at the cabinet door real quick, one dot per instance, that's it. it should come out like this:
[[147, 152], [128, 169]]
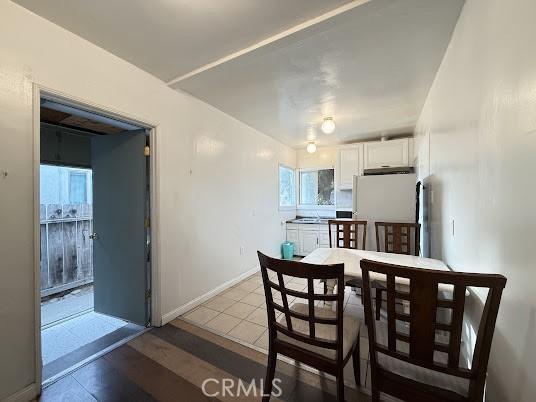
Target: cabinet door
[[292, 236], [308, 242], [348, 166], [392, 153], [323, 238]]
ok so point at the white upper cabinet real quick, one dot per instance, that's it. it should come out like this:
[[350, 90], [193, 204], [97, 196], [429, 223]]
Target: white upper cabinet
[[391, 153], [349, 163]]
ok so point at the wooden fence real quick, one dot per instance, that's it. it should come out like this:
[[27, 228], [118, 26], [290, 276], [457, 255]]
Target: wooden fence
[[66, 250]]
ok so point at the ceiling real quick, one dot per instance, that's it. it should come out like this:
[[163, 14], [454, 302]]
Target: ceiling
[[170, 38], [63, 115], [280, 66], [370, 68], [67, 120]]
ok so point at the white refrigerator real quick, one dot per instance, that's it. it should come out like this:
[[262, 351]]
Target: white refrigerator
[[384, 198]]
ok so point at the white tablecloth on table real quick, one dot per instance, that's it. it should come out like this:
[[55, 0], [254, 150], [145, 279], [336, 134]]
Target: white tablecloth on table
[[352, 260]]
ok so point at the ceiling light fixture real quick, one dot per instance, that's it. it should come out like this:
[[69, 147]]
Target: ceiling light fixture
[[328, 125], [311, 147]]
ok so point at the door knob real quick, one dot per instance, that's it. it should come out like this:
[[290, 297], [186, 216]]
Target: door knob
[[93, 236]]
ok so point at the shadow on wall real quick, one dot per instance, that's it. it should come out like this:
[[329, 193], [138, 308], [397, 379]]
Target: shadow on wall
[[503, 346], [502, 352]]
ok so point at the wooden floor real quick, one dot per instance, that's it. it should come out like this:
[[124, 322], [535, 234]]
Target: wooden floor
[[171, 364]]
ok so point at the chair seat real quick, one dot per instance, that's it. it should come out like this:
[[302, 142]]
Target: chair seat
[[351, 328], [416, 373]]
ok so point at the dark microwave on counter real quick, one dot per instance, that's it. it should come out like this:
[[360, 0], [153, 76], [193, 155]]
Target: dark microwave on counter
[[343, 214]]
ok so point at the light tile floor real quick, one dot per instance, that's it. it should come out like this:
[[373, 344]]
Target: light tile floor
[[240, 313], [61, 339]]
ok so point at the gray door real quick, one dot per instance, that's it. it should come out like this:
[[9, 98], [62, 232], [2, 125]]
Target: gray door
[[119, 209]]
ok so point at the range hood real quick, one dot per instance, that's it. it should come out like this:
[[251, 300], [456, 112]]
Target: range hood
[[388, 170]]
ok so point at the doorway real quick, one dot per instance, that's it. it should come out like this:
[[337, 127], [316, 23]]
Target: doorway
[[94, 234]]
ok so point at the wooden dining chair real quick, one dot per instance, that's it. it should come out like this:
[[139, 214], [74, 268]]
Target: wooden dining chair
[[323, 338], [416, 356], [399, 238], [347, 234]]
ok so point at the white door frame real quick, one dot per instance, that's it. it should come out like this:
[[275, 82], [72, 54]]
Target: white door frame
[[38, 92]]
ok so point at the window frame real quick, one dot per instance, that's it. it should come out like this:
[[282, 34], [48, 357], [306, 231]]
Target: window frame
[[298, 191], [295, 203]]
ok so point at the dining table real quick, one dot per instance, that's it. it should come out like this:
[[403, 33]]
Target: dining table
[[351, 258]]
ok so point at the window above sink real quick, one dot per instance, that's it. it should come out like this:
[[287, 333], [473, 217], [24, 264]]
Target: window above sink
[[316, 189]]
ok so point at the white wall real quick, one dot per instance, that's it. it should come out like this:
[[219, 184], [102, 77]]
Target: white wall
[[324, 157], [217, 177], [477, 143]]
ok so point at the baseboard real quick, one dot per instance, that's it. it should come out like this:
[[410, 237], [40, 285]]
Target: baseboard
[[201, 299], [26, 394]]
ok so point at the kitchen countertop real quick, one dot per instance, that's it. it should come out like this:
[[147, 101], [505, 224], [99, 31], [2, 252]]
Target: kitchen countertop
[[310, 221]]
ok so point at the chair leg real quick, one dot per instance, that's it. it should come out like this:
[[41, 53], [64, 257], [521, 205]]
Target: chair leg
[[379, 295], [363, 303], [270, 373], [356, 356], [325, 287], [340, 385]]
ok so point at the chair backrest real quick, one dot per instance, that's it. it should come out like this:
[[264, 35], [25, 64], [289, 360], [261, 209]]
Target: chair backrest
[[348, 234], [278, 274], [399, 238], [428, 292]]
